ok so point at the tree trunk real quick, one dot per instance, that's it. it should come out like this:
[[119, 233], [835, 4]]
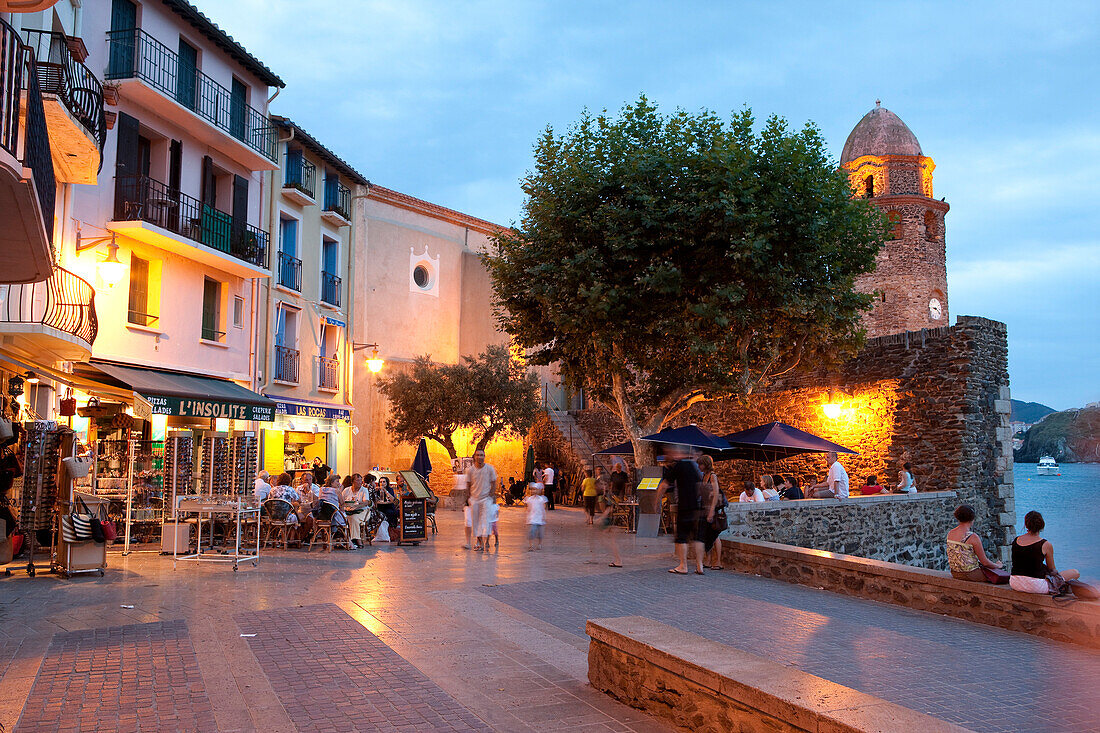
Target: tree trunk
[[448, 444]]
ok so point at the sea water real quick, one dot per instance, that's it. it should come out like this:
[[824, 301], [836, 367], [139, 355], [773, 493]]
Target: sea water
[[1070, 505]]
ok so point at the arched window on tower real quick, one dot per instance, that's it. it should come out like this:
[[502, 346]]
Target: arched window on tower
[[931, 225], [869, 187], [896, 228]]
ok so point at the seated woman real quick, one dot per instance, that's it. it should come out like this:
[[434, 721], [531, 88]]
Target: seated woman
[[789, 488], [1033, 559], [385, 500], [965, 554], [871, 487], [333, 493], [751, 493], [768, 491]]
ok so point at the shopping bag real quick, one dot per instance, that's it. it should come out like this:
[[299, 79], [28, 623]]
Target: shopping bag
[[78, 466], [81, 521], [110, 533], [68, 404], [383, 533], [68, 532]]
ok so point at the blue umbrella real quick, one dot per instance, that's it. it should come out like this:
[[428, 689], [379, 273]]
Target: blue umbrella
[[622, 449], [422, 464], [775, 441], [690, 435]]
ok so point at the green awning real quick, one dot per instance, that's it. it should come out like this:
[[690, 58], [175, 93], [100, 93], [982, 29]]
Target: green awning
[[189, 395]]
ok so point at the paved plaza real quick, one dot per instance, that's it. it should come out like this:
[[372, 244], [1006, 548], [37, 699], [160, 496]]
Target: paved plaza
[[438, 638]]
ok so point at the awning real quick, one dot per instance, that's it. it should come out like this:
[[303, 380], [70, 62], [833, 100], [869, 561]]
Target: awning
[[189, 395], [308, 408]]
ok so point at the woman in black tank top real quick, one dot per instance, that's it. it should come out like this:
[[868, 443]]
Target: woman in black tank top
[[1033, 558]]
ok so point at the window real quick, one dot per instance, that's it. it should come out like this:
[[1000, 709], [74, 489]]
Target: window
[[238, 101], [869, 187], [143, 307], [212, 311], [330, 266], [290, 267], [288, 236], [931, 225], [187, 75], [897, 230], [285, 367], [238, 311], [420, 276]]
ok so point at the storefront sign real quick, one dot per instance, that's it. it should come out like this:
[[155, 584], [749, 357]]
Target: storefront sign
[[330, 321], [142, 409], [186, 407], [296, 409]]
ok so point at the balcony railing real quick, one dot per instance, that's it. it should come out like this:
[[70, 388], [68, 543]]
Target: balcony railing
[[134, 54], [64, 301], [329, 376], [17, 69], [290, 272], [147, 199], [300, 174], [337, 198], [74, 83], [330, 289], [286, 364]]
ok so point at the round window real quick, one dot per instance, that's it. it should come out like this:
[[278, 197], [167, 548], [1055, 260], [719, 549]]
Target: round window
[[421, 277]]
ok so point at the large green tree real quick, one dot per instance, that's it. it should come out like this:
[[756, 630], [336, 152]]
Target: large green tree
[[664, 260], [491, 394]]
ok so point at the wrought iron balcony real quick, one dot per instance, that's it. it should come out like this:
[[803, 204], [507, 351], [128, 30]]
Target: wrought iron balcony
[[286, 364], [290, 272], [60, 73], [330, 289], [329, 373], [147, 199], [134, 54], [26, 210], [337, 199], [60, 306], [300, 174]]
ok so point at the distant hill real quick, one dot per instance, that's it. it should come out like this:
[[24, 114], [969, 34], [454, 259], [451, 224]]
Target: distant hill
[[1070, 436], [1029, 412]]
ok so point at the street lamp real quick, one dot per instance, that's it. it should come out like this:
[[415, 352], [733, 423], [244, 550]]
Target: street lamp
[[374, 363], [111, 271]]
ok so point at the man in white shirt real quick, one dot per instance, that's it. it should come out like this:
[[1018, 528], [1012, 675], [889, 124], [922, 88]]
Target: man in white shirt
[[261, 488], [834, 485], [481, 478], [548, 485], [357, 494]]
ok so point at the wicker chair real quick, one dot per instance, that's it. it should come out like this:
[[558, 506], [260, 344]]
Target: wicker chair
[[323, 528], [273, 518]]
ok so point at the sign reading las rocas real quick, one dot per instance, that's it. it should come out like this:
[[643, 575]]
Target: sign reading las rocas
[[300, 410], [187, 407]]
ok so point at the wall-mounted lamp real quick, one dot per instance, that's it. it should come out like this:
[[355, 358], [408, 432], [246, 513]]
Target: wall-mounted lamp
[[31, 378], [374, 363], [111, 271], [833, 408]]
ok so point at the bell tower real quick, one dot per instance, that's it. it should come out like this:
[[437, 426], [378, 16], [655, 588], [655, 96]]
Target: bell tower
[[885, 165]]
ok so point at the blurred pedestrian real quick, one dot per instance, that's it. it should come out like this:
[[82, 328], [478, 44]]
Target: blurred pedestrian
[[536, 516], [549, 483], [684, 476], [481, 478]]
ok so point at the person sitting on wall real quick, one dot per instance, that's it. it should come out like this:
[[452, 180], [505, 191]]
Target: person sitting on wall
[[789, 488], [768, 491], [835, 484], [906, 484], [1033, 569], [965, 554], [871, 487], [751, 493]]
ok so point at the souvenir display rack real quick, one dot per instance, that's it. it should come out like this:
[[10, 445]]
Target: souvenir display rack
[[38, 494], [216, 473], [243, 454], [179, 458]]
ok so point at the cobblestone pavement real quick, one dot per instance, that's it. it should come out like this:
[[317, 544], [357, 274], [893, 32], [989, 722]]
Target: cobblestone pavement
[[490, 639], [982, 678], [125, 678]]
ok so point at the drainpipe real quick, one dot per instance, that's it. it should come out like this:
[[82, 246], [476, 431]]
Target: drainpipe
[[349, 335]]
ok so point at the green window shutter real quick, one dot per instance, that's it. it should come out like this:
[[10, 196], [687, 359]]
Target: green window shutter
[[211, 317], [139, 291]]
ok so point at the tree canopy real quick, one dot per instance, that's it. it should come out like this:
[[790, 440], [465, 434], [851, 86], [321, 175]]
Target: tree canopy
[[492, 394], [664, 260]]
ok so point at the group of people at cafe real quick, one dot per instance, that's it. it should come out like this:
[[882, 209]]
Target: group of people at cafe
[[347, 502]]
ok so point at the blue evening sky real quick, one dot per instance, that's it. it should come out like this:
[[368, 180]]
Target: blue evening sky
[[442, 100]]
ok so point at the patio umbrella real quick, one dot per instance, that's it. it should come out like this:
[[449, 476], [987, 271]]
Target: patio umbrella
[[622, 449], [690, 435], [775, 441], [421, 463], [529, 464]]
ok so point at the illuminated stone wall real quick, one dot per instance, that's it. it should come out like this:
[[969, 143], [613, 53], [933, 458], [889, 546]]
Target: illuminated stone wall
[[938, 399]]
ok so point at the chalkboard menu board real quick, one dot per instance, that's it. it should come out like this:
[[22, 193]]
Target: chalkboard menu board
[[413, 513]]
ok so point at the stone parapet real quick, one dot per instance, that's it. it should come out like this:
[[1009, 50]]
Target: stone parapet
[[706, 687], [1072, 621]]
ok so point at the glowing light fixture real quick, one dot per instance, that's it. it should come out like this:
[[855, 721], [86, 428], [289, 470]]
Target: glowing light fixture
[[221, 424], [831, 410], [111, 271], [374, 363], [32, 378]]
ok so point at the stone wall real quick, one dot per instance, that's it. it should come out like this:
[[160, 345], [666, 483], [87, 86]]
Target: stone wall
[[938, 399], [1073, 621]]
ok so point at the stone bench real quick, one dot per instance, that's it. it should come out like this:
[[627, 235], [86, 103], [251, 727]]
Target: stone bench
[[704, 686], [1072, 621]]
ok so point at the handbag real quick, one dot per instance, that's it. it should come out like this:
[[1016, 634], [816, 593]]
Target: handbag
[[81, 522], [110, 532], [68, 532], [67, 406], [78, 466], [996, 576], [97, 530], [1058, 585]]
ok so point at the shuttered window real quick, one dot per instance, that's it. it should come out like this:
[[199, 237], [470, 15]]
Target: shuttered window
[[211, 310], [138, 309]]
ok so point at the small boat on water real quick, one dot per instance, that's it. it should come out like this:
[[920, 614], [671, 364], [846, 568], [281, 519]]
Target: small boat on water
[[1048, 467]]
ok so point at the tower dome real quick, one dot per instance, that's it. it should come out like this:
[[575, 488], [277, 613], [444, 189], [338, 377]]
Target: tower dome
[[880, 132]]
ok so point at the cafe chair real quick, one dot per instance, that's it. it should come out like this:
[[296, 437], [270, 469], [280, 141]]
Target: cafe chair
[[273, 518], [328, 532]]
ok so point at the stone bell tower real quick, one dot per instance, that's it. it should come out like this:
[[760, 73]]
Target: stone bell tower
[[885, 165]]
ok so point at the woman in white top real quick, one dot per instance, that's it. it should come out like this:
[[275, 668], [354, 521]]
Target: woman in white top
[[768, 492], [906, 485], [751, 493]]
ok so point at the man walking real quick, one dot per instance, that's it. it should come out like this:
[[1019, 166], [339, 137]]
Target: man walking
[[481, 479], [835, 484], [548, 477], [685, 475]]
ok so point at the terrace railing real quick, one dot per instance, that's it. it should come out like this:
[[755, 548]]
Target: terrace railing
[[286, 364], [134, 54], [63, 301], [330, 289], [300, 174], [290, 272], [147, 199], [337, 198], [76, 86], [329, 373]]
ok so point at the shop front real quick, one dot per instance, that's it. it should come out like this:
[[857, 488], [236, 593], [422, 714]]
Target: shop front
[[302, 431]]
